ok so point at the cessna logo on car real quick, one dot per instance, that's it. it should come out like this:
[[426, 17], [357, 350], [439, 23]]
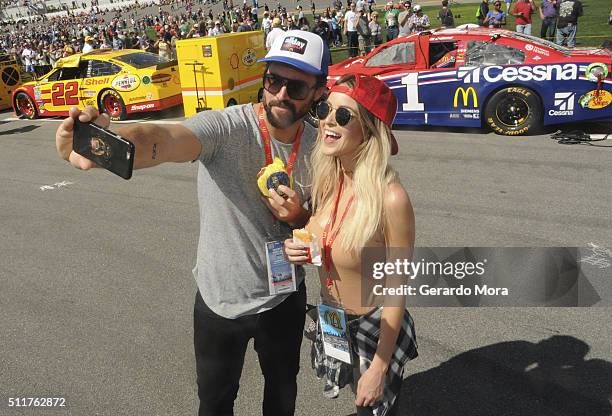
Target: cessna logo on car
[[564, 101], [473, 75]]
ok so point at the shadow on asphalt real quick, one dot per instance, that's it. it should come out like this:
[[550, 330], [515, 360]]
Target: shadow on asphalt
[[590, 127], [518, 378], [24, 129], [442, 129]]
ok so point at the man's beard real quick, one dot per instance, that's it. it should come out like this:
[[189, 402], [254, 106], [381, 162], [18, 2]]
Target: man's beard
[[284, 122]]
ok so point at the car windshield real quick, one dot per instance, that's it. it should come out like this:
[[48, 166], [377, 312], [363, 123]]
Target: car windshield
[[397, 54], [543, 42], [141, 59]]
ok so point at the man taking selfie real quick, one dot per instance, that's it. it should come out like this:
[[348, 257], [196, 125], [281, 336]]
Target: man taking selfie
[[235, 300]]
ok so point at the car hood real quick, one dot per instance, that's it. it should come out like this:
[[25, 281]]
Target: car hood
[[356, 65]]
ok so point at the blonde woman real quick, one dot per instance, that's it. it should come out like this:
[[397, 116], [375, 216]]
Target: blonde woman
[[359, 202]]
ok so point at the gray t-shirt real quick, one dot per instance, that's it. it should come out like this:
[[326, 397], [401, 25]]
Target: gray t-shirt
[[234, 223]]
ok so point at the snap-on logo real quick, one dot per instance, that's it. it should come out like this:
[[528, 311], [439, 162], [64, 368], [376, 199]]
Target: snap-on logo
[[142, 107], [294, 44]]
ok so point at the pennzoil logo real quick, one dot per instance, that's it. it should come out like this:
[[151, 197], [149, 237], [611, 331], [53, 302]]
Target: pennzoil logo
[[294, 44], [126, 83], [465, 96]]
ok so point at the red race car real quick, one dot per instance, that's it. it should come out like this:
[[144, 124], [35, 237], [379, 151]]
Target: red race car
[[470, 77]]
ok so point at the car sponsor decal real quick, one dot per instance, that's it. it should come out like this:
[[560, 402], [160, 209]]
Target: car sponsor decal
[[596, 71], [37, 94], [465, 95], [146, 80], [140, 107], [536, 49], [126, 83], [495, 73], [89, 93], [564, 104], [94, 81], [596, 99], [140, 98], [249, 57]]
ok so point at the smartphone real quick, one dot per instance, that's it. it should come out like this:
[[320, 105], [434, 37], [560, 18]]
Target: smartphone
[[104, 147]]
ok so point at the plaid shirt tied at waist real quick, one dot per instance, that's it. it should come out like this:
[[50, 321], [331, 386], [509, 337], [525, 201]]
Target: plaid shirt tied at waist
[[364, 333]]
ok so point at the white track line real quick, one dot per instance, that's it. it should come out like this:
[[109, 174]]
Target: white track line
[[113, 122]]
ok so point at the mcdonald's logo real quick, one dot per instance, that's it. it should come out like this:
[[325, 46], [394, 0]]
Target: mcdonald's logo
[[465, 95]]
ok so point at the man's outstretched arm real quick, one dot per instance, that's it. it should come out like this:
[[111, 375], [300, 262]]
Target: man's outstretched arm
[[154, 143]]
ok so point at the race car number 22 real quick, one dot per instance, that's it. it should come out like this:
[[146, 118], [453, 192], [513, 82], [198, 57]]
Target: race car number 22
[[65, 94]]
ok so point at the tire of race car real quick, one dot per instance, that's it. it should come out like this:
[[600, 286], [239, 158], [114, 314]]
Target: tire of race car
[[231, 102], [23, 96], [105, 99], [514, 111], [260, 95]]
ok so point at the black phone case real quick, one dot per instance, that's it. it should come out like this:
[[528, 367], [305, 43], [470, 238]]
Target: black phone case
[[105, 148]]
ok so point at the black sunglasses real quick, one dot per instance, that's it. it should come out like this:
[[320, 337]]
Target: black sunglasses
[[297, 90], [343, 114]]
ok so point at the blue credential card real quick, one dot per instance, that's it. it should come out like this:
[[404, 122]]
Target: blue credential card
[[281, 273], [334, 330]]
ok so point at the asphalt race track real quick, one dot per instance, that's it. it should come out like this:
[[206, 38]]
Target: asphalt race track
[[96, 291]]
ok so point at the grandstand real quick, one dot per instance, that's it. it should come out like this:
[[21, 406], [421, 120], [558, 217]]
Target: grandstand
[[26, 9]]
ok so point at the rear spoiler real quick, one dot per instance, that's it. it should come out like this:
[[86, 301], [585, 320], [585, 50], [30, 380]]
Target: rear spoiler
[[166, 65]]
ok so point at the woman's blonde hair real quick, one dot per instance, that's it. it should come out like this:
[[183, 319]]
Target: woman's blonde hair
[[371, 177]]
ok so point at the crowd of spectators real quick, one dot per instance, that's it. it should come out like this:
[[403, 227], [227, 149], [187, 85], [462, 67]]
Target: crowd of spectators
[[156, 27], [559, 18]]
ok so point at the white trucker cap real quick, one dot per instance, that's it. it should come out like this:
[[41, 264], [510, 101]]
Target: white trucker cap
[[303, 50]]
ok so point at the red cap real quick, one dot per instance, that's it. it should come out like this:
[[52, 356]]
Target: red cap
[[375, 96]]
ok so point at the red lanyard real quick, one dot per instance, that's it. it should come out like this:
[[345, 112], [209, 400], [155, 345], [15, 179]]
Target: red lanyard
[[265, 134], [327, 244]]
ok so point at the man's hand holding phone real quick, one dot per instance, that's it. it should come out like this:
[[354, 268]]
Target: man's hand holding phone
[[93, 144], [65, 133]]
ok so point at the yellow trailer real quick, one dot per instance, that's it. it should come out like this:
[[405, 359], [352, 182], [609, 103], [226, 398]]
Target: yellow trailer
[[220, 71], [10, 78]]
